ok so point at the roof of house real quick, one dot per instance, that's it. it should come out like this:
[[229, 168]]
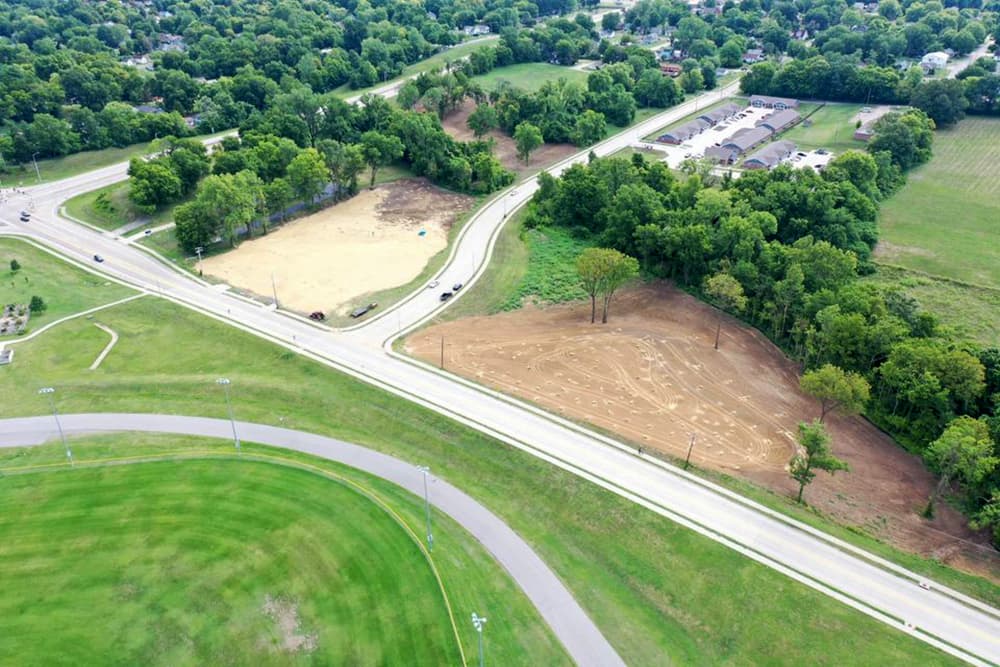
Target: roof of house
[[688, 129], [768, 100], [935, 55], [772, 154], [147, 108], [779, 119], [747, 138], [722, 152], [723, 112]]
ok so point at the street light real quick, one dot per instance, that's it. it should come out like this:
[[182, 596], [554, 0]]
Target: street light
[[49, 391], [225, 385], [479, 622], [199, 250], [427, 508], [38, 174]]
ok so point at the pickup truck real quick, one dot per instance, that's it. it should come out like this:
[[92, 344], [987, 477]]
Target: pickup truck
[[358, 312]]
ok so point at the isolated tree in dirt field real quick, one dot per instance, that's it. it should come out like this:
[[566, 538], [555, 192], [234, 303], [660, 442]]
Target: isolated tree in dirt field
[[528, 138], [727, 293], [602, 271], [379, 150], [815, 442], [836, 389], [964, 452]]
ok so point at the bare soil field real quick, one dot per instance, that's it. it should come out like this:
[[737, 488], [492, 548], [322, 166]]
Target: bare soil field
[[367, 243], [506, 151], [651, 376]]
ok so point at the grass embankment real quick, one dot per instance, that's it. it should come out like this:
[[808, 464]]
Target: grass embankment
[[528, 76], [944, 220], [831, 127], [65, 288], [178, 558], [109, 208], [661, 593]]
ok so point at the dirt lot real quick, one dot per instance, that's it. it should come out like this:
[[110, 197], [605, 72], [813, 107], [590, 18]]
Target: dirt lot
[[367, 243], [652, 377], [506, 151]]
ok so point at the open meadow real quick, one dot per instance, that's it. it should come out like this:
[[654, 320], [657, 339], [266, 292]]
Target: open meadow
[[652, 586], [528, 76], [946, 219], [830, 127]]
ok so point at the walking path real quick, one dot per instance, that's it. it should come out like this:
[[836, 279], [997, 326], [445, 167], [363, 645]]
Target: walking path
[[107, 348], [570, 624]]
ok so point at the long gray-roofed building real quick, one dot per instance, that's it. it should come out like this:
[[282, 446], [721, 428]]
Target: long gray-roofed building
[[715, 116], [768, 102], [747, 138], [770, 156], [679, 135], [779, 120]]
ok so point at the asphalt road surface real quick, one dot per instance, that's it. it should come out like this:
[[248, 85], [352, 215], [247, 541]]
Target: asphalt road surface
[[571, 625], [939, 616]]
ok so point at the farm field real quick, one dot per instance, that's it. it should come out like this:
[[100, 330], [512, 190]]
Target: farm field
[[528, 76], [832, 128], [376, 240], [655, 594], [946, 219], [65, 288]]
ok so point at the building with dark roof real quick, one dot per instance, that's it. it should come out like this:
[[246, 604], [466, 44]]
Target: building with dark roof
[[720, 114], [779, 120], [747, 138], [770, 156], [722, 154], [768, 102], [679, 135]]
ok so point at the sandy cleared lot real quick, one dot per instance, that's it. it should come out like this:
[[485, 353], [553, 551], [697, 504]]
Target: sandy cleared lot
[[652, 377], [367, 243]]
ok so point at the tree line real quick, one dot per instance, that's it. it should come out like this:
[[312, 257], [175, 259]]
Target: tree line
[[785, 250]]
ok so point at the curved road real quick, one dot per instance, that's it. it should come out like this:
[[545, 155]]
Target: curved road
[[571, 625], [944, 618]]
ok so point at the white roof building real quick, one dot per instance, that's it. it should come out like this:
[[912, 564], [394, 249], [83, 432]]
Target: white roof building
[[935, 60]]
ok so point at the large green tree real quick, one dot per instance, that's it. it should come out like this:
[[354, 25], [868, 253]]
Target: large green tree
[[964, 453], [379, 150], [815, 455], [308, 175], [602, 271], [836, 389], [527, 137], [727, 293]]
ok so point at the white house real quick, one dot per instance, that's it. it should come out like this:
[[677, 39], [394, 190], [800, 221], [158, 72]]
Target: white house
[[934, 60]]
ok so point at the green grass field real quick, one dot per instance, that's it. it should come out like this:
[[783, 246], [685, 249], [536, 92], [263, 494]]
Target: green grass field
[[831, 128], [65, 288], [109, 208], [973, 312], [192, 545], [946, 219], [652, 586], [529, 76]]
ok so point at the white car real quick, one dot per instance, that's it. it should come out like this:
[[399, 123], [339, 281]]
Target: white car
[[432, 284]]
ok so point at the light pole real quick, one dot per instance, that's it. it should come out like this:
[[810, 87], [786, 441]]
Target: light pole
[[274, 290], [479, 622], [38, 174], [427, 508], [229, 406], [199, 250], [49, 391]]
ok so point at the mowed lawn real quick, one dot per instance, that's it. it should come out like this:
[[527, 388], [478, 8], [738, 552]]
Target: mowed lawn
[[661, 593], [109, 208], [529, 76], [210, 562], [831, 127], [946, 219], [65, 288]]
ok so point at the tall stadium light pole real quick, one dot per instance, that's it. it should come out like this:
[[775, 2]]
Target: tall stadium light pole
[[229, 406], [427, 508], [479, 622], [48, 392]]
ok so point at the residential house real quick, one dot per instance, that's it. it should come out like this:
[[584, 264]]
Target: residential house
[[753, 56], [864, 133], [717, 115], [770, 156], [934, 60], [147, 108], [722, 154], [777, 103], [477, 29], [671, 69], [779, 120]]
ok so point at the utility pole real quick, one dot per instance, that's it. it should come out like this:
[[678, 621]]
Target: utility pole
[[199, 250], [687, 460], [274, 290], [38, 174], [48, 392], [479, 622], [441, 366], [225, 385], [427, 508]]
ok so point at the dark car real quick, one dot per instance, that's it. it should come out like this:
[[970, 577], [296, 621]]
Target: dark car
[[446, 295], [98, 259], [317, 315], [358, 312], [25, 218], [456, 287]]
